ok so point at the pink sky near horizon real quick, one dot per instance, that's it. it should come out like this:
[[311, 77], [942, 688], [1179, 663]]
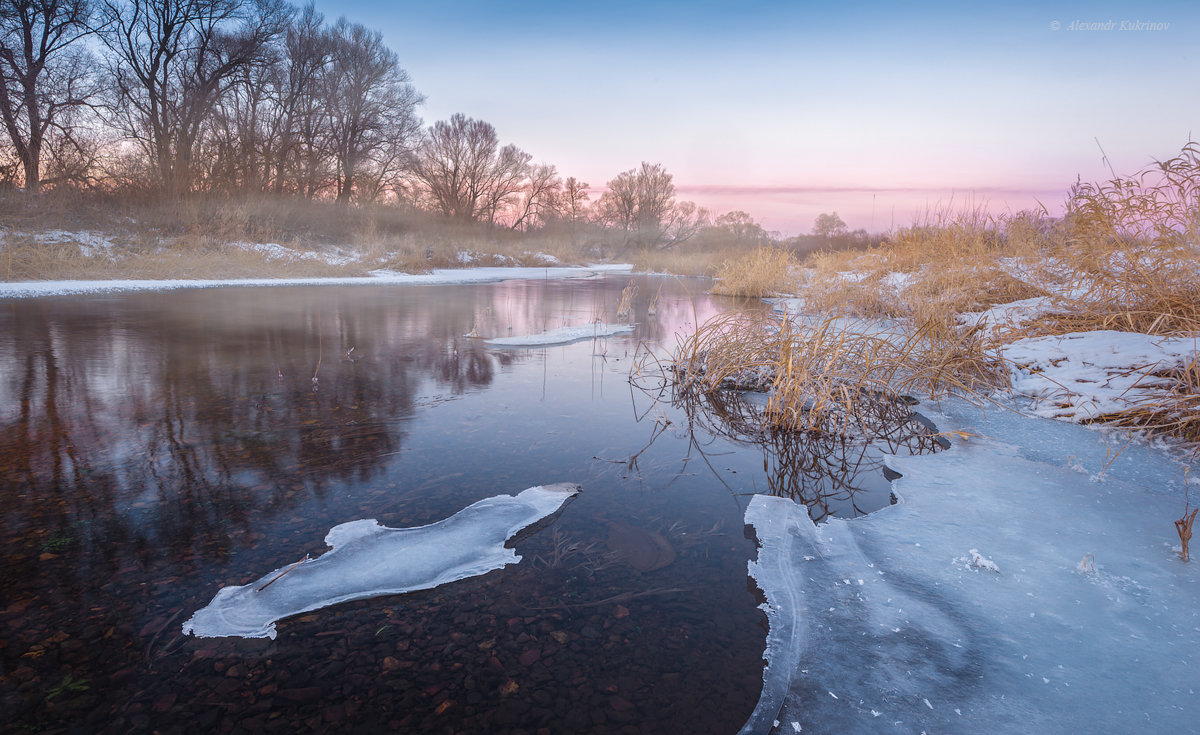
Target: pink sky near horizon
[[787, 110]]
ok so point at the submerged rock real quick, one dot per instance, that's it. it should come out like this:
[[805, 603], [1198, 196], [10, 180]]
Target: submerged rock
[[642, 549]]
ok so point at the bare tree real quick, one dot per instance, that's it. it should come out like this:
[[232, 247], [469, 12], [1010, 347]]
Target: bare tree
[[640, 202], [239, 136], [570, 203], [682, 222], [172, 61], [738, 229], [536, 198], [296, 156], [829, 226], [503, 181], [46, 76], [369, 104], [465, 173]]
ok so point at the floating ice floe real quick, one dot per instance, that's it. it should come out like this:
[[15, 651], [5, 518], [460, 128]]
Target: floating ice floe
[[368, 560], [933, 641], [562, 335]]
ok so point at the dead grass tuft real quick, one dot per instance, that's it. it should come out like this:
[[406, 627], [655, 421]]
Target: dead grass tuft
[[1184, 527], [679, 263], [833, 375], [765, 272]]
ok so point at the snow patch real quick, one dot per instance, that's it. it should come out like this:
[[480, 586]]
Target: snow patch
[[1083, 375], [90, 243], [1008, 316]]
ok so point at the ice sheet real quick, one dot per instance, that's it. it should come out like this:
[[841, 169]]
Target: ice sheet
[[1008, 592], [368, 560], [444, 276], [562, 335]]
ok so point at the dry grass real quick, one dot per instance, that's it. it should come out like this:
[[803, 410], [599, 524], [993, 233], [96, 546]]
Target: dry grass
[[928, 272], [679, 263], [1174, 412], [765, 272], [192, 238], [1184, 527], [832, 375], [26, 259], [1125, 257]]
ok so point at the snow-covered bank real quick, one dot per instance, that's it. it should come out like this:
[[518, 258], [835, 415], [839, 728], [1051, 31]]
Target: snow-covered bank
[[887, 623], [1085, 375], [562, 335], [444, 276]]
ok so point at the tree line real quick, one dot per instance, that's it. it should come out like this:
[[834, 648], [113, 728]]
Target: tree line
[[235, 97]]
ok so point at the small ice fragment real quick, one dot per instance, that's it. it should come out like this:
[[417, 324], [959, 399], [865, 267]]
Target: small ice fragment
[[875, 714], [1045, 680], [977, 560], [796, 727], [562, 335], [957, 711]]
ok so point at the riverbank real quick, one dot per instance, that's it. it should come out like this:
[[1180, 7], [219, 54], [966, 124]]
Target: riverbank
[[436, 277]]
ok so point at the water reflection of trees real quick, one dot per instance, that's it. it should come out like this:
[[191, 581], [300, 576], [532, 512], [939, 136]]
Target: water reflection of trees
[[180, 427], [833, 473]]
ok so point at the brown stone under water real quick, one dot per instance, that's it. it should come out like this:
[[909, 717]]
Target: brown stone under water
[[642, 549]]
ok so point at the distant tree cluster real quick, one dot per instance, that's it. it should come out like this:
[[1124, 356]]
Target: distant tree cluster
[[830, 232], [234, 97]]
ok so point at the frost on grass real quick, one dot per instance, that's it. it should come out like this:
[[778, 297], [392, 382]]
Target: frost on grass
[[368, 560], [1011, 637], [562, 335]]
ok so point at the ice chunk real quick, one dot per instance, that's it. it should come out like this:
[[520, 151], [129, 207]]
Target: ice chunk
[[368, 560], [562, 335], [1031, 649]]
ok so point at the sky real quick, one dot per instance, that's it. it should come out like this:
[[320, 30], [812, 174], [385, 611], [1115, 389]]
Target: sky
[[882, 112]]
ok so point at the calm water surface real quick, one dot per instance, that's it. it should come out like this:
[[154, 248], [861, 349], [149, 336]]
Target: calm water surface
[[157, 446]]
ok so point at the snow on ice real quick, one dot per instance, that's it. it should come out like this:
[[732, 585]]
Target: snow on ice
[[933, 642], [368, 560]]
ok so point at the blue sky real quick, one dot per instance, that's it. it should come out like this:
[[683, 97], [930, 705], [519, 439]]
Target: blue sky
[[786, 110]]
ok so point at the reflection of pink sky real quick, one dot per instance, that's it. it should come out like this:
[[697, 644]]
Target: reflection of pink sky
[[518, 305]]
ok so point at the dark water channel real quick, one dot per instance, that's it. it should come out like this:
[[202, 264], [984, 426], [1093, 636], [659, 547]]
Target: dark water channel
[[157, 446]]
